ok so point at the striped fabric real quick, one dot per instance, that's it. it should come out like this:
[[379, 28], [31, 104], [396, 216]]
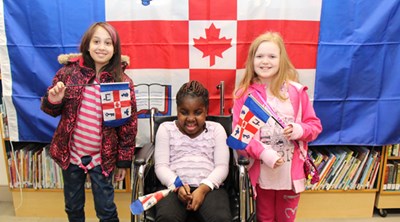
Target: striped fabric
[[87, 135]]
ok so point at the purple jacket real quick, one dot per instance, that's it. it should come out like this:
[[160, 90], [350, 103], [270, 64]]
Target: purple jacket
[[306, 123], [118, 143]]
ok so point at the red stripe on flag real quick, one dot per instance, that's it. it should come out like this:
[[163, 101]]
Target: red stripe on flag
[[211, 78], [116, 104], [245, 125], [155, 44], [301, 39], [212, 10]]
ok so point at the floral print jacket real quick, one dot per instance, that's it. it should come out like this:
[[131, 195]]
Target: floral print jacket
[[118, 143]]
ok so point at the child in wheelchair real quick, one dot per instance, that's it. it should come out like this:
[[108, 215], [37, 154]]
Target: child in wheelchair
[[195, 150]]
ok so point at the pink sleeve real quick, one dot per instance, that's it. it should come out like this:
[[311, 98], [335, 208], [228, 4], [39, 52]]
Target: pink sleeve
[[255, 147], [310, 123]]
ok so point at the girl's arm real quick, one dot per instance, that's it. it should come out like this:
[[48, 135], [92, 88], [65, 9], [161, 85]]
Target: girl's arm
[[161, 156], [221, 159], [310, 126], [47, 106]]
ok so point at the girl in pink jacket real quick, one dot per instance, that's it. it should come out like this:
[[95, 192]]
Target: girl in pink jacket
[[276, 169]]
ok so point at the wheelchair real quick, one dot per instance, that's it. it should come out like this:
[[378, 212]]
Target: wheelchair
[[237, 183]]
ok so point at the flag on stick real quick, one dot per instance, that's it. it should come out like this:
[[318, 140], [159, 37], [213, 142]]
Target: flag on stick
[[310, 170], [252, 117], [115, 102], [145, 202]]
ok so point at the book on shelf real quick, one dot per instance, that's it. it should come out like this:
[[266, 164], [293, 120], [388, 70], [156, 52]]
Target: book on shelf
[[30, 166], [336, 167], [395, 150], [389, 181], [374, 170], [385, 177], [331, 159], [397, 186], [350, 175], [394, 176], [343, 171], [363, 153], [367, 170], [371, 183], [346, 167], [153, 95]]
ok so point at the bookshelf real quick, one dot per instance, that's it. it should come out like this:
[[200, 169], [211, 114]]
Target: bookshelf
[[388, 196], [337, 198], [314, 203], [33, 197]]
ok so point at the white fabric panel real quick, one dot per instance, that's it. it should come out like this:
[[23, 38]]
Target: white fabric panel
[[308, 10], [127, 10], [227, 30]]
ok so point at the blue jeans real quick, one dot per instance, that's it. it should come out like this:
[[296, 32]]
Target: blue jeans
[[74, 194]]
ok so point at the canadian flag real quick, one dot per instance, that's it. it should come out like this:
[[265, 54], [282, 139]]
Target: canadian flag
[[171, 42]]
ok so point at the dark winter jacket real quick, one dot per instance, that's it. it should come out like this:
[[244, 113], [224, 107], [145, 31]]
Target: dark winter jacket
[[118, 143]]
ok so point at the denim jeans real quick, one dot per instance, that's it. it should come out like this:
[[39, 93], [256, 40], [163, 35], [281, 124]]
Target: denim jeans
[[74, 194]]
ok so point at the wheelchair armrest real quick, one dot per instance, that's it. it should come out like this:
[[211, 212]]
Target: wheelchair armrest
[[144, 154], [243, 161]]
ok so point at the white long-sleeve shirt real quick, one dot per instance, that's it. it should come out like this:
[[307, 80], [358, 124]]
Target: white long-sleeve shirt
[[204, 159]]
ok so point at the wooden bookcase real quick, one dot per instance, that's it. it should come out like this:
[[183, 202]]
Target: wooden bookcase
[[313, 204], [387, 198], [351, 203], [50, 202]]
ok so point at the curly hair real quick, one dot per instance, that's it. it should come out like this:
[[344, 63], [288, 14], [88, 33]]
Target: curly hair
[[193, 89]]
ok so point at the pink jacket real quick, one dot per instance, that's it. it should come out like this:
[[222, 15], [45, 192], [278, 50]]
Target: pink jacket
[[306, 123]]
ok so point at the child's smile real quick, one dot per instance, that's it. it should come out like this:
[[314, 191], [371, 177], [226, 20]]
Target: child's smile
[[191, 116]]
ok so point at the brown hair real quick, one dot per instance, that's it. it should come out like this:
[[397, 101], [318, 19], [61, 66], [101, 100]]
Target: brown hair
[[286, 69], [114, 66]]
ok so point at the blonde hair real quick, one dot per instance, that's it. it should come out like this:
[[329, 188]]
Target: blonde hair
[[286, 70]]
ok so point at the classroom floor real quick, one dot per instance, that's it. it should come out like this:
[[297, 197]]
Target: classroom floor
[[7, 215]]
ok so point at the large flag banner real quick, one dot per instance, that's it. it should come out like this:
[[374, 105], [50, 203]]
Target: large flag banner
[[171, 42], [357, 92]]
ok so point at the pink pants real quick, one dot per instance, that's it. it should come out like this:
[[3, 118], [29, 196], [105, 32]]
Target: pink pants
[[276, 205]]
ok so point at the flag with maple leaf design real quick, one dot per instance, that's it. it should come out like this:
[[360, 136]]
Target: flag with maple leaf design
[[212, 50], [170, 42], [174, 42]]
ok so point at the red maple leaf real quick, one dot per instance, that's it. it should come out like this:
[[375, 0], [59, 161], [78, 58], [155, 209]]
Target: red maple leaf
[[212, 45]]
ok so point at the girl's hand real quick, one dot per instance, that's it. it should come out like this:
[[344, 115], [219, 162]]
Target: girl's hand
[[56, 94], [184, 194], [198, 197], [288, 131], [120, 174], [279, 162]]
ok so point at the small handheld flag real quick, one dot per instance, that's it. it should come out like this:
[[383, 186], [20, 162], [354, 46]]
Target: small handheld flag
[[115, 102], [310, 170], [252, 117], [145, 202]]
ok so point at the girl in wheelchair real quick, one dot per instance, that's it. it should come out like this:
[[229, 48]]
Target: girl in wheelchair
[[195, 150]]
